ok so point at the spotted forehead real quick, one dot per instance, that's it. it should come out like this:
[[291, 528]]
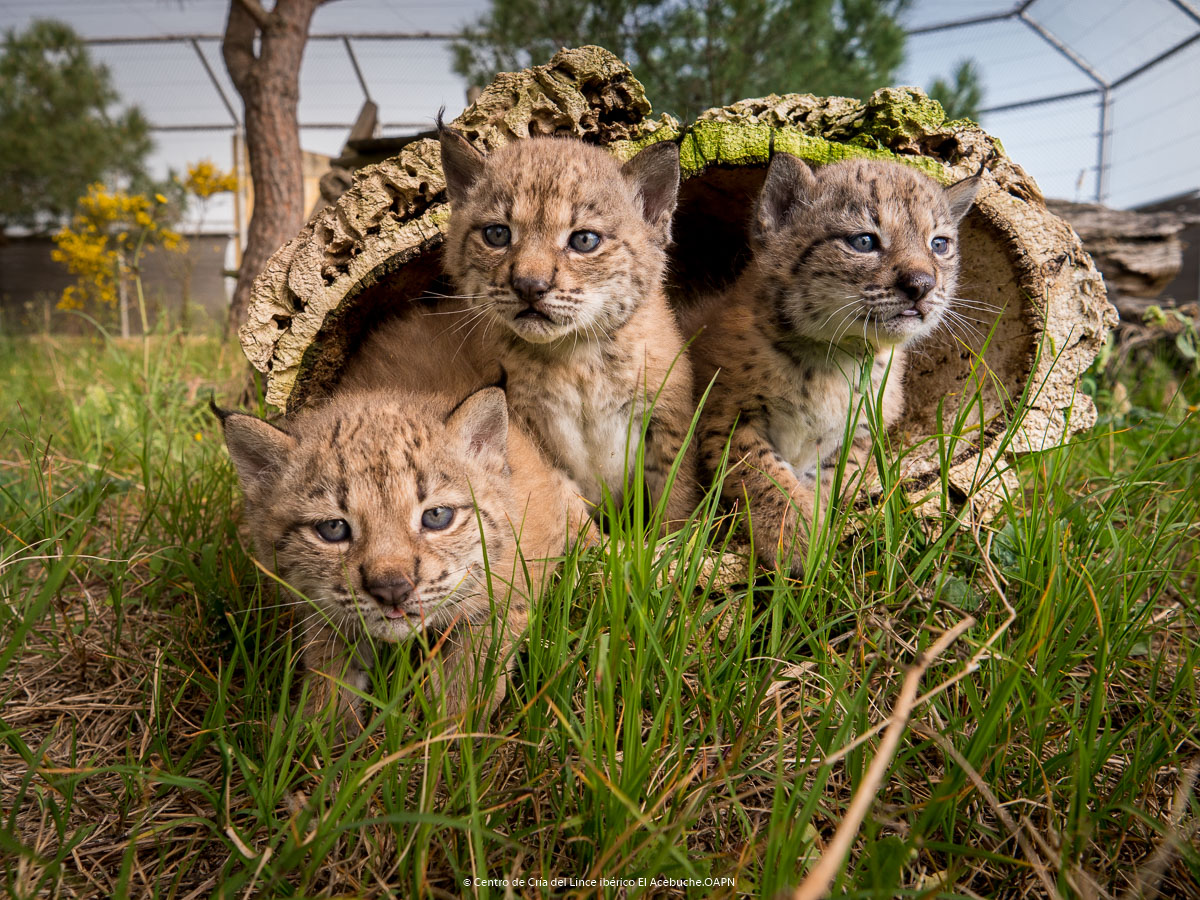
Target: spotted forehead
[[552, 182], [891, 195], [377, 453]]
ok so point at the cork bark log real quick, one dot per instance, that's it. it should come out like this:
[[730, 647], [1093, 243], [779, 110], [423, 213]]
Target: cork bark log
[[376, 252]]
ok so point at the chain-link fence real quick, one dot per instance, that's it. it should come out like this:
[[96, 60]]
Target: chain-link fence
[[1096, 98]]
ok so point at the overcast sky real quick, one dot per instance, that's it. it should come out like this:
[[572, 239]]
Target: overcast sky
[[1155, 145]]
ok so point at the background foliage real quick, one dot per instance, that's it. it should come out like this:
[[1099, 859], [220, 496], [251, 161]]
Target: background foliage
[[103, 244], [61, 128], [694, 54]]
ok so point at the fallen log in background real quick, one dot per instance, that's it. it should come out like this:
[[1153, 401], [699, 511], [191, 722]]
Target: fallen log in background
[[375, 252], [1139, 253]]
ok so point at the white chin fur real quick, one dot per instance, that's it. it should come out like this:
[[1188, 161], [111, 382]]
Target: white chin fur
[[901, 329], [395, 631], [538, 331]]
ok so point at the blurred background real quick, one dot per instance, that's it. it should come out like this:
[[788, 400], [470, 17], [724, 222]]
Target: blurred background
[[1096, 99]]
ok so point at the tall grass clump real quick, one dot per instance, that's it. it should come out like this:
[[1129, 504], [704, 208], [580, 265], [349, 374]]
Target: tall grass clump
[[670, 730]]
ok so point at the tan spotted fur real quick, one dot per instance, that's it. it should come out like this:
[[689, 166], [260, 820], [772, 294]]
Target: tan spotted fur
[[810, 323], [586, 339], [377, 455]]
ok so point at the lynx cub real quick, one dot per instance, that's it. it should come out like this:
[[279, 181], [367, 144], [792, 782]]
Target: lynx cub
[[562, 251], [850, 263], [379, 506]]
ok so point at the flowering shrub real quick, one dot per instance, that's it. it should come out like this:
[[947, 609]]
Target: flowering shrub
[[111, 229], [102, 245], [204, 179]]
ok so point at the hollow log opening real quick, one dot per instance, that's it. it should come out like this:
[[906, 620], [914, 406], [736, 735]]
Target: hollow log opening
[[417, 280], [711, 249], [1034, 305]]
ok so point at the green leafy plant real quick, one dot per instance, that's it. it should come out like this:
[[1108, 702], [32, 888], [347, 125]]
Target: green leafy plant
[[60, 128]]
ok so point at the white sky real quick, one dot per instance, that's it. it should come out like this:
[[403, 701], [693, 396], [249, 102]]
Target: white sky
[[1155, 123]]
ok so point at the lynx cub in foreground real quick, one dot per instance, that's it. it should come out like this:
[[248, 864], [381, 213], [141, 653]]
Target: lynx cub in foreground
[[561, 250], [850, 263], [379, 507]]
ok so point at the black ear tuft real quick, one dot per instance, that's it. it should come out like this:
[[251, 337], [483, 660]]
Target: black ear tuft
[[461, 162], [790, 183], [219, 412], [655, 175], [258, 449]]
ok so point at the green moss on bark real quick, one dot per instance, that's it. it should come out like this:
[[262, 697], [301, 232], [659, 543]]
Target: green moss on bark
[[896, 117], [665, 129], [729, 144]]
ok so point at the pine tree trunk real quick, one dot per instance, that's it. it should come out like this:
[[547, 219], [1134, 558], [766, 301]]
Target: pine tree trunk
[[269, 84]]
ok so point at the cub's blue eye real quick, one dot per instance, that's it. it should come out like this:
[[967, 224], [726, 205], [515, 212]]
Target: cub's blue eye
[[438, 517], [940, 245], [333, 531], [497, 235], [863, 243], [584, 241]]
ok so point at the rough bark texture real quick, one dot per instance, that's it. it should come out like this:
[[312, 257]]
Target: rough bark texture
[[269, 85], [376, 251]]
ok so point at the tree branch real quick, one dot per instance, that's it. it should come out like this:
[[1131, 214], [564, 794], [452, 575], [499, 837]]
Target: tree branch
[[255, 10], [237, 47]]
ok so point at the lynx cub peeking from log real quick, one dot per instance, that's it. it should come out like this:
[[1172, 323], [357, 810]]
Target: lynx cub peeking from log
[[850, 263], [379, 506], [561, 250]]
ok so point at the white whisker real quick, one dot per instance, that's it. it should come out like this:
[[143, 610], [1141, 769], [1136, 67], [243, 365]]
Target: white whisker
[[852, 300]]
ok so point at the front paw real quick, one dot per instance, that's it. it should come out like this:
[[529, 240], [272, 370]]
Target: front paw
[[681, 504], [781, 538], [468, 675], [788, 552], [454, 695]]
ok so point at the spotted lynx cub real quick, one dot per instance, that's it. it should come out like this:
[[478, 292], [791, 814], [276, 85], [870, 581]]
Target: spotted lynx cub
[[379, 505], [850, 263], [561, 252]]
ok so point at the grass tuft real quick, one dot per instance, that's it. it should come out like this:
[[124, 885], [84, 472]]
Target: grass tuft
[[662, 723]]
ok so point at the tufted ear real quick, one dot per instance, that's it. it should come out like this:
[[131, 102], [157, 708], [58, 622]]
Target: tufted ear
[[461, 162], [961, 195], [257, 448], [481, 423], [655, 174], [790, 183]]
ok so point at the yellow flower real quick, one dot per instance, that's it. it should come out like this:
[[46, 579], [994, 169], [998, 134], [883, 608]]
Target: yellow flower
[[103, 240], [204, 179]]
